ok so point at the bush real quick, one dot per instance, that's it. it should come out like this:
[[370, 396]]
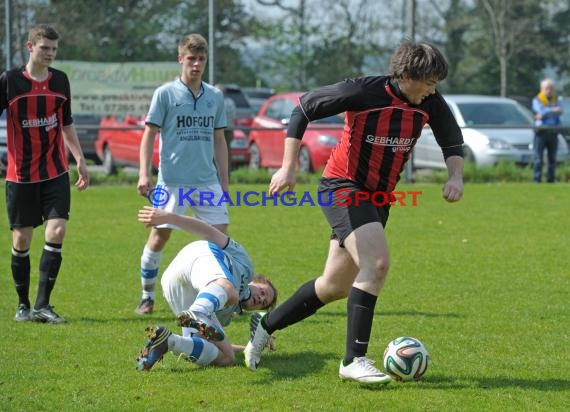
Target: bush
[[503, 172]]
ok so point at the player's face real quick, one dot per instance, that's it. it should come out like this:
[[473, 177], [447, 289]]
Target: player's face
[[43, 52], [417, 90], [261, 296], [193, 65]]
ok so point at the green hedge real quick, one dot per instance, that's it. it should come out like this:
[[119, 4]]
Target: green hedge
[[502, 172]]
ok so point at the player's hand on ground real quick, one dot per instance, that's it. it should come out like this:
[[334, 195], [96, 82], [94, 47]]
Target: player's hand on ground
[[282, 179]]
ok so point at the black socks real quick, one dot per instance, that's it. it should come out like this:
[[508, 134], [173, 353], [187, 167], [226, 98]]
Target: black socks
[[301, 305], [21, 275], [50, 263], [360, 313]]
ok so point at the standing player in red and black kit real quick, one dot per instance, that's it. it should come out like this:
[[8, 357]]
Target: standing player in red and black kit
[[37, 101], [384, 118]]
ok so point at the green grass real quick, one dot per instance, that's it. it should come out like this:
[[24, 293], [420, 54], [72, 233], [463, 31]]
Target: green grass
[[484, 283]]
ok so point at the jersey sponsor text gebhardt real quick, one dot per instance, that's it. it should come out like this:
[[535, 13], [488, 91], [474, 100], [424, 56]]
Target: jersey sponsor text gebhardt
[[49, 122], [399, 144]]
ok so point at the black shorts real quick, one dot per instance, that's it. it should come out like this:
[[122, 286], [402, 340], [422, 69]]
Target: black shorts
[[344, 213], [30, 204]]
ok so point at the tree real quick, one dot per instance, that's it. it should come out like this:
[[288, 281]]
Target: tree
[[509, 23]]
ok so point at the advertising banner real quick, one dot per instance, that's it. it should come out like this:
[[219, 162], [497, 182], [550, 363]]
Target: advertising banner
[[115, 88]]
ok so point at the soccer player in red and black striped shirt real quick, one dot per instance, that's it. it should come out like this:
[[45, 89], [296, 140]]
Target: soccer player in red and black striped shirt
[[384, 117], [38, 106]]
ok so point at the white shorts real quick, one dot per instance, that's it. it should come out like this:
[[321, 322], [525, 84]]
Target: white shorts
[[204, 201], [191, 270]]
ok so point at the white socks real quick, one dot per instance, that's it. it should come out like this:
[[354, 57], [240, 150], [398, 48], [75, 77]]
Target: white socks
[[149, 271], [210, 299], [196, 349]]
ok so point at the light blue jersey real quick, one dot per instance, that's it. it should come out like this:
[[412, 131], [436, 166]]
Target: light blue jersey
[[239, 270], [187, 126]]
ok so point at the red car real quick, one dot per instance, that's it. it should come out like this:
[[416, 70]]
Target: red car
[[119, 138], [269, 128], [118, 142]]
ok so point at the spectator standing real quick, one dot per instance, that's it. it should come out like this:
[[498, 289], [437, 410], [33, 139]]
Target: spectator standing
[[547, 112]]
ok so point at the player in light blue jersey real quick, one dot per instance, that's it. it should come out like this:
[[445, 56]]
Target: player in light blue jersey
[[205, 285], [193, 166]]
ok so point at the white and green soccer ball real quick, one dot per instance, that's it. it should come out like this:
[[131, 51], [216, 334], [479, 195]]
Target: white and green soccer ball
[[406, 359]]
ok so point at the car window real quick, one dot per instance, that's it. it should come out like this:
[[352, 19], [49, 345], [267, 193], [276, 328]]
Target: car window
[[495, 114], [274, 109], [286, 109], [239, 98]]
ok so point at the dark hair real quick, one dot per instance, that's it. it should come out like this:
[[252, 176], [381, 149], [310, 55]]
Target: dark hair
[[258, 278], [193, 42], [41, 31], [419, 61]]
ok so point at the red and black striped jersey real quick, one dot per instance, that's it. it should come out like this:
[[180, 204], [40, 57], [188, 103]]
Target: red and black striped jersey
[[381, 129], [36, 114]]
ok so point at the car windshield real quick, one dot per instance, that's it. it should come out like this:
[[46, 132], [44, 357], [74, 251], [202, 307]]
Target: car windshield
[[495, 114]]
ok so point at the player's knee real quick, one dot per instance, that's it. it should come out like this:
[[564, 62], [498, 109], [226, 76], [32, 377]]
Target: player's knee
[[380, 267], [55, 233], [22, 240]]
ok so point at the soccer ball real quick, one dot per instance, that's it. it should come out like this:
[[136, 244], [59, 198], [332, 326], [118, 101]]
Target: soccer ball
[[406, 359]]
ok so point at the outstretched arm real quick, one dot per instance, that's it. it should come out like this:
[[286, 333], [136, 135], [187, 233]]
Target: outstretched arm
[[154, 217]]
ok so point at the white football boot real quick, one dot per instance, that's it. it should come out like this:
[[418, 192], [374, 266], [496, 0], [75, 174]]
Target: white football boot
[[362, 370]]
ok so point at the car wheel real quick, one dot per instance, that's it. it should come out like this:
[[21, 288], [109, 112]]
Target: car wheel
[[305, 161], [254, 157], [108, 162], [468, 155]]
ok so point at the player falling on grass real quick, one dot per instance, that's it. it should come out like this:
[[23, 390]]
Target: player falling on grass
[[190, 115], [37, 100], [384, 118], [205, 285]]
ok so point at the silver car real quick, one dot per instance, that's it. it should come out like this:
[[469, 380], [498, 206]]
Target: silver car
[[494, 129]]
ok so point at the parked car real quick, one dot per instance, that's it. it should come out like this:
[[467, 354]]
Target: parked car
[[269, 129], [239, 150], [257, 96], [87, 127], [244, 109], [494, 129], [3, 145], [118, 143]]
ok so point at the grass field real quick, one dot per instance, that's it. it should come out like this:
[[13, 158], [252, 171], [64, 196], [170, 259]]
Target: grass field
[[484, 283]]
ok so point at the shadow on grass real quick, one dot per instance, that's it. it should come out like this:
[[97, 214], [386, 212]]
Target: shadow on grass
[[278, 367], [414, 313], [154, 320], [460, 383]]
